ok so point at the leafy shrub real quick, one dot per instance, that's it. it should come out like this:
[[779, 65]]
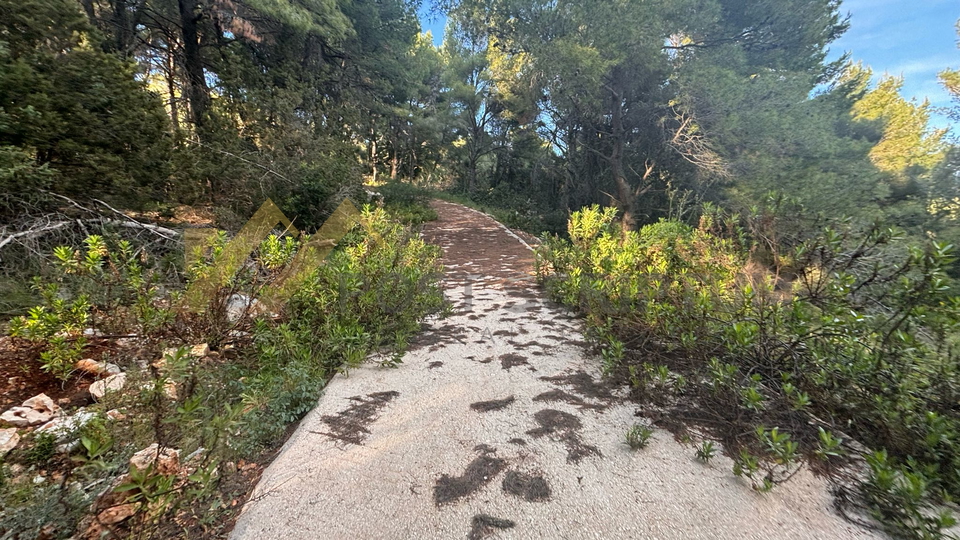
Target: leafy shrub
[[371, 294], [266, 372], [407, 203], [638, 436], [862, 333]]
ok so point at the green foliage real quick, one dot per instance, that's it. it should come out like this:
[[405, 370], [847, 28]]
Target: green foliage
[[638, 436], [706, 451], [106, 285], [370, 295], [666, 278], [266, 372], [900, 496], [43, 446], [407, 203], [60, 95], [864, 333]]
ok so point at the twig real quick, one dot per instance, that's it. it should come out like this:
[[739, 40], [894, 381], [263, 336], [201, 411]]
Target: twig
[[255, 164], [34, 232]]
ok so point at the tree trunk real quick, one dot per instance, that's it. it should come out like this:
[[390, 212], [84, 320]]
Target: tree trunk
[[196, 88], [624, 193], [121, 26], [91, 12], [172, 90], [373, 153]]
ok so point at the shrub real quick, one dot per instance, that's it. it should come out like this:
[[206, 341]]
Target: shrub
[[407, 203], [861, 338], [638, 436], [267, 371]]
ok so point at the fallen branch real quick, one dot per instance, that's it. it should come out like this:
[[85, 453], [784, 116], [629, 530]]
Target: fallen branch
[[169, 234], [34, 232]]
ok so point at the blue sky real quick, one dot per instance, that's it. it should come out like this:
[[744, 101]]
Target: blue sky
[[914, 39]]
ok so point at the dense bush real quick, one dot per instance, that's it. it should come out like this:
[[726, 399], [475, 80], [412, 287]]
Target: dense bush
[[265, 372], [370, 295], [859, 341], [407, 203], [59, 97]]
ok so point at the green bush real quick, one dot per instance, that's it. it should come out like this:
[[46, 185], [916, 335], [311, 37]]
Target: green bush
[[267, 369], [407, 203], [862, 340], [370, 295]]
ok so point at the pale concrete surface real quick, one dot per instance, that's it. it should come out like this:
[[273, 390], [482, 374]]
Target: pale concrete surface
[[322, 487]]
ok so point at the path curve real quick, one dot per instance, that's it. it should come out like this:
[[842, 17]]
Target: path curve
[[495, 426]]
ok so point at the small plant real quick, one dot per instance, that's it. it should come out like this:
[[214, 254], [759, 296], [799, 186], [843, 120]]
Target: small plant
[[783, 450], [746, 464], [752, 398], [898, 496], [638, 436], [828, 445], [43, 448], [706, 451], [612, 352]]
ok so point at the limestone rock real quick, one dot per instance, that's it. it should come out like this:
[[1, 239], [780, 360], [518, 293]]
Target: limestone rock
[[116, 514], [240, 305], [9, 438], [167, 460], [36, 410], [113, 383], [197, 351], [89, 365], [65, 426], [170, 390]]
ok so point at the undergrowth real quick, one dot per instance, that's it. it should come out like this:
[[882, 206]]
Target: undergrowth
[[266, 367], [855, 340]]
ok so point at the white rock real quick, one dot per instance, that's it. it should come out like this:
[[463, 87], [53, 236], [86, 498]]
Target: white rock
[[113, 383], [68, 447], [9, 438], [36, 410], [170, 390], [240, 305], [199, 351], [196, 351], [90, 365], [167, 460], [64, 427]]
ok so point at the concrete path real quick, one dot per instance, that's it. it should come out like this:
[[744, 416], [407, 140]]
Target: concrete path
[[496, 426]]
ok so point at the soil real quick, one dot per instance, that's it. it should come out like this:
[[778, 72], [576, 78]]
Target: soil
[[484, 525], [492, 405], [563, 427], [350, 425], [480, 472], [529, 487], [21, 376]]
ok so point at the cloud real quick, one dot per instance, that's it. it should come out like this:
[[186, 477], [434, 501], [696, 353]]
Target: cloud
[[930, 65]]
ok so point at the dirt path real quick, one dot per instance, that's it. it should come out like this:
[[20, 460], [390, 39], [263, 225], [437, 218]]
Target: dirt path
[[496, 426]]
